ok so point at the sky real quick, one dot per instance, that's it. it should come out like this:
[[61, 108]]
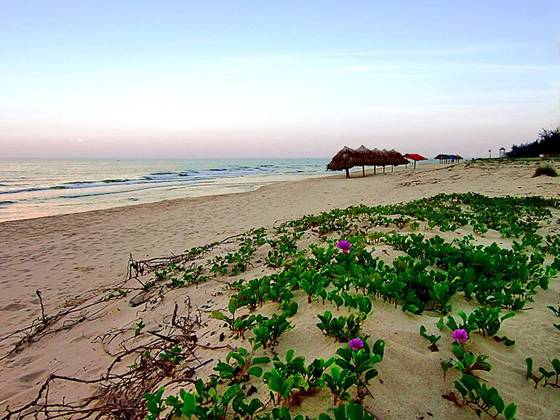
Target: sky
[[210, 79]]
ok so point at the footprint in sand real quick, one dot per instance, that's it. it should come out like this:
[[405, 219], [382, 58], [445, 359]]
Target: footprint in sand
[[84, 269], [14, 307], [32, 377], [23, 361]]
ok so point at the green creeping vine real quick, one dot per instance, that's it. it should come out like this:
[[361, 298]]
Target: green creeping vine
[[472, 392], [425, 278], [466, 362], [433, 339], [204, 402], [486, 321], [493, 275], [291, 379], [267, 330], [237, 262], [348, 411], [282, 248], [240, 364], [288, 381], [342, 328], [339, 381], [481, 398], [551, 377], [361, 363]]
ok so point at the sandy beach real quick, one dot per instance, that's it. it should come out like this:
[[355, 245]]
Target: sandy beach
[[77, 257]]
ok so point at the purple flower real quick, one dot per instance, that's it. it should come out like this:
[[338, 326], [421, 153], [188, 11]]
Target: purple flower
[[356, 344], [460, 336], [344, 245]]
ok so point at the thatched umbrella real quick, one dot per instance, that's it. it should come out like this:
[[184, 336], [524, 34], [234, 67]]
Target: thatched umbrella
[[375, 159], [396, 158], [442, 158], [415, 157], [363, 156], [344, 159], [393, 158]]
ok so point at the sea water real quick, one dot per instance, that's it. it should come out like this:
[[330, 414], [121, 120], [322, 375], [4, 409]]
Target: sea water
[[35, 188]]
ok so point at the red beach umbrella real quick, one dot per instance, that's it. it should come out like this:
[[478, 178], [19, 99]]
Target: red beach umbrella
[[415, 157]]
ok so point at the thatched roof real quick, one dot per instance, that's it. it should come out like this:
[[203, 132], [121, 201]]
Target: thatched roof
[[448, 157], [394, 158], [344, 159], [362, 156]]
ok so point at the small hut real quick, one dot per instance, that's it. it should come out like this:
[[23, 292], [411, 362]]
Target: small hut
[[415, 157], [344, 159]]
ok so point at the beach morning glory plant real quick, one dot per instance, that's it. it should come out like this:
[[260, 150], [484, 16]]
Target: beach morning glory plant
[[460, 336], [344, 246]]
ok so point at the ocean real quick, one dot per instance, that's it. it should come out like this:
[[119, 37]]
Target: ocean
[[35, 188]]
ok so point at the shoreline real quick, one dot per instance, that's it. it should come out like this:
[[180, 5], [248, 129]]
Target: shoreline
[[207, 188], [228, 181]]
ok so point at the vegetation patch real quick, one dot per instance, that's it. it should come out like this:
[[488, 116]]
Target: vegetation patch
[[332, 285]]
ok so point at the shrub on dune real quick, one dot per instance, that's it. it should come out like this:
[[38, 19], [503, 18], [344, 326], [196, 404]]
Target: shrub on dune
[[545, 170]]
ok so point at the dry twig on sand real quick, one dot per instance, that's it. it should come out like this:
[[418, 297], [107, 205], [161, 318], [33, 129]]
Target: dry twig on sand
[[170, 354]]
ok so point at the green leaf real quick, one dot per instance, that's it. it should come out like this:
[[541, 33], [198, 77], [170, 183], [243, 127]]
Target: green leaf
[[370, 374], [218, 315], [470, 382], [189, 404], [556, 365], [354, 411], [510, 411], [510, 314], [529, 363], [255, 371], [232, 305], [261, 360], [290, 355]]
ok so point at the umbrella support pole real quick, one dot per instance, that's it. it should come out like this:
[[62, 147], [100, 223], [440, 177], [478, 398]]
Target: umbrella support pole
[[374, 169], [363, 171], [347, 173]]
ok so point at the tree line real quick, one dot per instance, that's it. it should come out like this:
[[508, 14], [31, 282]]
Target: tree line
[[548, 143]]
